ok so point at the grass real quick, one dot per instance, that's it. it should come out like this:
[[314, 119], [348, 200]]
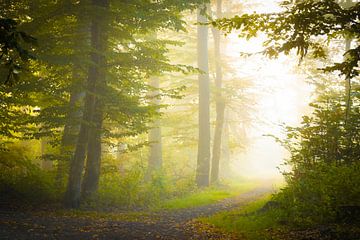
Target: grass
[[245, 221], [208, 196]]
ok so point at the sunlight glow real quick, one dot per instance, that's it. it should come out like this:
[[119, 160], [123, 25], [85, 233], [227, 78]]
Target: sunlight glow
[[282, 97]]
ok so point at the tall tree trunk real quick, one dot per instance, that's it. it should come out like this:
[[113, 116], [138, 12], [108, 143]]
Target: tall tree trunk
[[220, 103], [45, 164], [203, 160], [155, 156], [225, 149], [93, 162], [72, 195], [347, 4], [68, 140], [120, 158], [347, 85], [73, 116]]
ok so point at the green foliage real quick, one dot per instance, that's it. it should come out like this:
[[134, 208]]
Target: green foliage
[[21, 179], [129, 190], [324, 162], [318, 195], [13, 49]]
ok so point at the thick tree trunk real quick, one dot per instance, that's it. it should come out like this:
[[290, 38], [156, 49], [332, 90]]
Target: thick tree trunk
[[203, 160], [220, 103], [72, 195], [155, 155], [68, 140], [93, 163], [73, 117]]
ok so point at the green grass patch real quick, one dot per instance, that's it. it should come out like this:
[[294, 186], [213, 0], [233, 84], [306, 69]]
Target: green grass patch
[[209, 195], [246, 221]]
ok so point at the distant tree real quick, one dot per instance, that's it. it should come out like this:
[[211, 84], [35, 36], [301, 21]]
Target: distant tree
[[219, 99], [155, 137], [203, 161]]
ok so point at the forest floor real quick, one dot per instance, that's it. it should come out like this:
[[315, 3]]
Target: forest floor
[[163, 224]]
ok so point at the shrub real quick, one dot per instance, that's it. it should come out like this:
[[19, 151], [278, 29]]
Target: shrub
[[23, 180]]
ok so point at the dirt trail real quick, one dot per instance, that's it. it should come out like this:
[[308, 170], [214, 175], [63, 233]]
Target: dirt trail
[[162, 225]]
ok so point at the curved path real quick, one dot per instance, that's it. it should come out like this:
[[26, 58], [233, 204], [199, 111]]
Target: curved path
[[162, 225]]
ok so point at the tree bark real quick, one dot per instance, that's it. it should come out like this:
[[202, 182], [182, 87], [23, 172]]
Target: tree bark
[[73, 116], [347, 85], [72, 195], [68, 140], [220, 103], [93, 163], [203, 159]]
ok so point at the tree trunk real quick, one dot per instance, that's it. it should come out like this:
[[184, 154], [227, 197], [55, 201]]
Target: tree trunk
[[93, 163], [120, 158], [72, 125], [45, 164], [225, 149], [347, 85], [203, 160], [220, 103], [72, 195], [68, 140], [347, 4], [155, 156]]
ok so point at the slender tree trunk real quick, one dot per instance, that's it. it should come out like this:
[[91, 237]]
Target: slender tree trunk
[[225, 163], [120, 158], [203, 160], [347, 85], [220, 103], [72, 195], [45, 164], [347, 4], [155, 156]]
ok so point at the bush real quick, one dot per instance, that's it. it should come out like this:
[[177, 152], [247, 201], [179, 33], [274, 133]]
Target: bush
[[130, 190], [21, 179], [319, 194], [324, 161]]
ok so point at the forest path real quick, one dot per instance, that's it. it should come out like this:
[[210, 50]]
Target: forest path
[[174, 224]]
